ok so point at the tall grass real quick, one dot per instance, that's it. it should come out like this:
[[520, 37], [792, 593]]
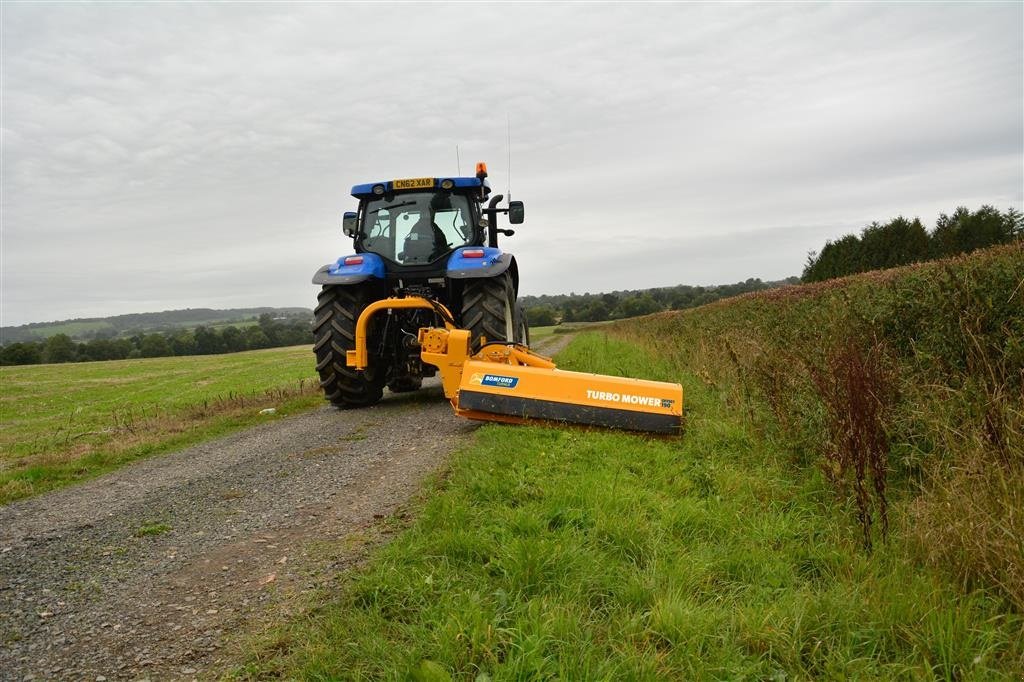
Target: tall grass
[[913, 375], [856, 390]]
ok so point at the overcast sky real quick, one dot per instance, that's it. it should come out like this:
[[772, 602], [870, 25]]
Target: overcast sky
[[161, 155]]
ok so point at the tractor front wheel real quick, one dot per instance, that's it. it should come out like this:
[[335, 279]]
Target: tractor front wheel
[[334, 334]]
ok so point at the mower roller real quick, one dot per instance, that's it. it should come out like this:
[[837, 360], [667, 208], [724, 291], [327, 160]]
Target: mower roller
[[507, 382]]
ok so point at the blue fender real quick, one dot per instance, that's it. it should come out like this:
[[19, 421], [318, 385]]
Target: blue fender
[[493, 263], [338, 272]]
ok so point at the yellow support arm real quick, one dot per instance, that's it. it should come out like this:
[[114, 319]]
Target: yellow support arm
[[360, 357]]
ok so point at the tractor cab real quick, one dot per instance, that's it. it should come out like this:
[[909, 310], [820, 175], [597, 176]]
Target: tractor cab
[[418, 227], [421, 221]]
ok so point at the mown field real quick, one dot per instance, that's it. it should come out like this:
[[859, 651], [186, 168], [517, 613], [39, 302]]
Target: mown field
[[844, 504], [68, 422]]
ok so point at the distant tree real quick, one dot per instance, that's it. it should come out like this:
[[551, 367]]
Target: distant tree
[[122, 348], [208, 341], [101, 349], [634, 306], [902, 241], [898, 242], [943, 240], [300, 332], [872, 251], [154, 346], [255, 338], [541, 316], [834, 260], [232, 339], [986, 227], [682, 297], [59, 348], [21, 354], [594, 311], [270, 327], [183, 342], [912, 241], [1014, 220], [965, 231]]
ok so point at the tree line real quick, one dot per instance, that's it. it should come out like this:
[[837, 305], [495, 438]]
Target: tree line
[[131, 324], [269, 332], [902, 242], [544, 311]]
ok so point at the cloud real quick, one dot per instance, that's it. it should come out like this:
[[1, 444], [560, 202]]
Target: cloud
[[169, 155]]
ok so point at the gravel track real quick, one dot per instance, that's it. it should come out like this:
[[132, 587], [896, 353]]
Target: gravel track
[[238, 527], [84, 596]]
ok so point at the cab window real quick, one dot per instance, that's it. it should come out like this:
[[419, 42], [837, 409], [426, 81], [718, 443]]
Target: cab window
[[417, 227]]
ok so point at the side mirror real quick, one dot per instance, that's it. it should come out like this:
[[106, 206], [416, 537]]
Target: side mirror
[[348, 224], [515, 212]]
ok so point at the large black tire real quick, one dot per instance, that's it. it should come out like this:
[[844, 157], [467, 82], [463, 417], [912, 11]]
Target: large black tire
[[334, 334], [488, 310]]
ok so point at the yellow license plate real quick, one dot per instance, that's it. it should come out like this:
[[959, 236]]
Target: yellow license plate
[[413, 183]]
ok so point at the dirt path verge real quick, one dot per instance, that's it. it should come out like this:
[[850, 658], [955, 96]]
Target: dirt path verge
[[552, 345], [147, 571]]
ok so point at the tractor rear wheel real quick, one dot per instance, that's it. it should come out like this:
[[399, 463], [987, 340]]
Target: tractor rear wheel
[[488, 310], [334, 334]]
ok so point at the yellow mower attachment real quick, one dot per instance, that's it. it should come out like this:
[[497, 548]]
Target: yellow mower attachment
[[510, 383]]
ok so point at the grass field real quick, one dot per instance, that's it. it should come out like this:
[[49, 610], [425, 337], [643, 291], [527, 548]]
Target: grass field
[[68, 422], [566, 553]]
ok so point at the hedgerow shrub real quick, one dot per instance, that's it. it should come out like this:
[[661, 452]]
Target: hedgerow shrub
[[914, 374]]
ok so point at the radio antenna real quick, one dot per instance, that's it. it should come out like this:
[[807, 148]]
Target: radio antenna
[[508, 149], [458, 161]]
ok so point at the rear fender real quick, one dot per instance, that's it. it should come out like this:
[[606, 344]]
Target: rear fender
[[339, 273], [492, 264]]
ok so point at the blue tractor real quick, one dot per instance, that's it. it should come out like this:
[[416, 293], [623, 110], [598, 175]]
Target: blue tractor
[[431, 237]]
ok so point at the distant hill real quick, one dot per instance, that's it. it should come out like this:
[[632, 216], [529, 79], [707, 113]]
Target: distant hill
[[118, 326]]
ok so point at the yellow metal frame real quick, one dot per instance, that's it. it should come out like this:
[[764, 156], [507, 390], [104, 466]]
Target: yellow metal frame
[[360, 357]]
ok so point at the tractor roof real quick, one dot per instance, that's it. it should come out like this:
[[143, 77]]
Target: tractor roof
[[412, 184]]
